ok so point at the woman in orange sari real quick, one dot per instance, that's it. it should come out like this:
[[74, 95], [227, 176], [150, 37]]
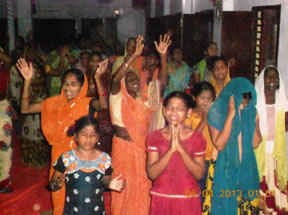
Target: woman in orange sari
[[131, 116], [58, 113]]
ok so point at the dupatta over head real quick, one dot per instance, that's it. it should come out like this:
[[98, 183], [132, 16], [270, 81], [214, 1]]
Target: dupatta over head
[[58, 115], [279, 151], [232, 175]]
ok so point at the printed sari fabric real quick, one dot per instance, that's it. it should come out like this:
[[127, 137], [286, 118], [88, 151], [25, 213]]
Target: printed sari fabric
[[271, 154], [5, 145], [129, 158], [54, 82], [234, 174], [178, 77], [136, 66], [57, 116]]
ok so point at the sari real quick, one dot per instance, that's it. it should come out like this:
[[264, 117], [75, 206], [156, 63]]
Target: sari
[[136, 66], [236, 182], [272, 164], [57, 116], [216, 87], [54, 82], [129, 158]]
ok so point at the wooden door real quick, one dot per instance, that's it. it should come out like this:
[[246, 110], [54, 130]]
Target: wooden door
[[236, 42], [266, 22]]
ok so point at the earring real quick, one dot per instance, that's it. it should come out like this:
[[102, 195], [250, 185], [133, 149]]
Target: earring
[[98, 143]]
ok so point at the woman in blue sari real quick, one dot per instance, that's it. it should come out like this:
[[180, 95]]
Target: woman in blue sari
[[234, 127]]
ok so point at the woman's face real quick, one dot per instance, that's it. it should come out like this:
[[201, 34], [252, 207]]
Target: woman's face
[[71, 86], [175, 111], [204, 99], [87, 138], [220, 70], [212, 50], [94, 62], [84, 59], [271, 80], [177, 55], [132, 83], [130, 47]]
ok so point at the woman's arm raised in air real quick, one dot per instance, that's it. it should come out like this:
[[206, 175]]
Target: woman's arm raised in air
[[162, 47], [102, 92], [119, 74], [27, 73]]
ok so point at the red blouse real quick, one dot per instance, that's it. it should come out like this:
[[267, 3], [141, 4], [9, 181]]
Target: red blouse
[[176, 180]]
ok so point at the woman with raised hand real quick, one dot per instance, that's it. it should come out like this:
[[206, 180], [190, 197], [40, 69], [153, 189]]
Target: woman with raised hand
[[58, 113], [131, 117]]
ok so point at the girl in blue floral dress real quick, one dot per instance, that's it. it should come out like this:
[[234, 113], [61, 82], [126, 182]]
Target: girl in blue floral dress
[[85, 171]]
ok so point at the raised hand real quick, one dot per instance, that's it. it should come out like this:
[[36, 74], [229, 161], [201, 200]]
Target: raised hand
[[101, 68], [164, 43], [139, 46], [117, 184], [25, 69], [231, 108]]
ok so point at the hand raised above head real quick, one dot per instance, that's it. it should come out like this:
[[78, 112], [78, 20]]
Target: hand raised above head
[[101, 68], [139, 46], [164, 43], [25, 69]]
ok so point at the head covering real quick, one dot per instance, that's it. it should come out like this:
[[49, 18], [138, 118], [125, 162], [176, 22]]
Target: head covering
[[279, 152], [214, 83], [231, 174], [136, 117]]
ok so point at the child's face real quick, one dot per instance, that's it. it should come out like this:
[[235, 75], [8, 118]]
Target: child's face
[[176, 111], [87, 138], [204, 100], [271, 80]]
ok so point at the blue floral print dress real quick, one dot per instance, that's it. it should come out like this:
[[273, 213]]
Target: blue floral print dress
[[84, 187]]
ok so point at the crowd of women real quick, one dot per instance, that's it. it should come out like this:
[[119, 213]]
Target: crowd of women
[[184, 140]]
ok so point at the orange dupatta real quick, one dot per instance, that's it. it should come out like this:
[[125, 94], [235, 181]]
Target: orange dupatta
[[57, 115]]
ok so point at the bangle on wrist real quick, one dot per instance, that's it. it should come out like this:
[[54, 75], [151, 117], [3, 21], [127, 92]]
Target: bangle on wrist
[[25, 98], [126, 65]]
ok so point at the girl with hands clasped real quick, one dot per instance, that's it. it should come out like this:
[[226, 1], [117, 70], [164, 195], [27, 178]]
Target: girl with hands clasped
[[176, 160], [86, 171]]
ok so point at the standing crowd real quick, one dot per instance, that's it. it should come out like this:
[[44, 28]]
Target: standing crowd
[[184, 140]]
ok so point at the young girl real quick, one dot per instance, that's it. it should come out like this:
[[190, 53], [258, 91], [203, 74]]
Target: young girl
[[85, 170], [235, 132], [203, 94], [176, 160]]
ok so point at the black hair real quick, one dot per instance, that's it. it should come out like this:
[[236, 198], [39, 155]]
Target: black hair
[[202, 86], [98, 54], [78, 73], [247, 95], [84, 52], [178, 94], [153, 52], [270, 68], [207, 46], [215, 59], [82, 123]]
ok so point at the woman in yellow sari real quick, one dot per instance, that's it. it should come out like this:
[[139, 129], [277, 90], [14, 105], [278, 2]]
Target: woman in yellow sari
[[58, 113]]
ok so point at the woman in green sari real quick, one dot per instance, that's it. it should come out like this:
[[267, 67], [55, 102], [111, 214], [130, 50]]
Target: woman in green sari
[[234, 127]]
